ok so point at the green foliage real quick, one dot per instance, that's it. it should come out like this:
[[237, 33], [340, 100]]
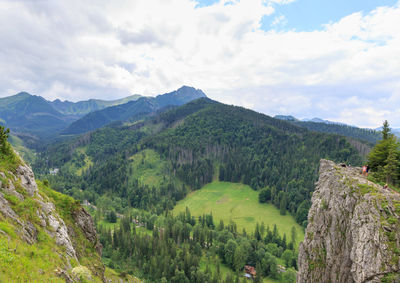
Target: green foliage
[[182, 149], [367, 135], [238, 203], [386, 130], [37, 262], [181, 249], [264, 195], [3, 139], [289, 276], [390, 278], [111, 217], [384, 158]]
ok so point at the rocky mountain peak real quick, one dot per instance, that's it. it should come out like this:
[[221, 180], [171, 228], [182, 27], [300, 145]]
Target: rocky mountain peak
[[353, 232]]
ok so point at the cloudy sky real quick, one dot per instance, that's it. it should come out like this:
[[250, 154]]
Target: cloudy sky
[[337, 60]]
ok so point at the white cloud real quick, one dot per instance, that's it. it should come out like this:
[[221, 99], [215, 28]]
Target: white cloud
[[82, 49]]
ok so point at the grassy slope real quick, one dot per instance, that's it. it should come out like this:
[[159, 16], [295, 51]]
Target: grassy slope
[[149, 169], [79, 163], [21, 262], [114, 276], [87, 161], [27, 154], [239, 203]]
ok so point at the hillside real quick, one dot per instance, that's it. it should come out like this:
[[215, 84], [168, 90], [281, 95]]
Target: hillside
[[353, 231], [192, 140], [133, 110], [140, 170], [44, 235]]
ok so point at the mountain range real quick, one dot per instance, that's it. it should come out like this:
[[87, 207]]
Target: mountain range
[[324, 126], [27, 114], [131, 163], [133, 110]]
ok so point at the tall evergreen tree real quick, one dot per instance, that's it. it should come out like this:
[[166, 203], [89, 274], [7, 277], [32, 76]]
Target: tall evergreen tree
[[384, 158]]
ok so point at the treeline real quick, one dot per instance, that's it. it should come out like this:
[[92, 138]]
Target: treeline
[[177, 246], [282, 200], [368, 135]]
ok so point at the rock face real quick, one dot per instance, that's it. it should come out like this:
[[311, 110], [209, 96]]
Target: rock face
[[353, 232], [85, 222], [20, 187]]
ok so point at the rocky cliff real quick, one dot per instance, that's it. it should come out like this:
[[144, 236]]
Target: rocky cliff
[[353, 232], [45, 236]]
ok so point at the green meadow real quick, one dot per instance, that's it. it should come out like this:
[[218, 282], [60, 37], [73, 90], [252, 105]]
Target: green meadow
[[239, 203], [147, 167]]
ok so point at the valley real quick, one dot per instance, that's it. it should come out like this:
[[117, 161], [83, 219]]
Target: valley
[[200, 141], [193, 191]]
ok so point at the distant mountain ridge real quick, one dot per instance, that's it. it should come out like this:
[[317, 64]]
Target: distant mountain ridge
[[319, 120], [133, 110], [325, 126], [28, 115], [82, 108]]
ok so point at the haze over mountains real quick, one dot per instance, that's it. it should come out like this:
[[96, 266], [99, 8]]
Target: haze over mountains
[[25, 114]]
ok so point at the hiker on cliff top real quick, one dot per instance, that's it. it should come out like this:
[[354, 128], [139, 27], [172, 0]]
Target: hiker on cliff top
[[364, 170]]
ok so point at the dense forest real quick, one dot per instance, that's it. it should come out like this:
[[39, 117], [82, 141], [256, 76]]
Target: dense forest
[[192, 145], [177, 247], [368, 135], [198, 140]]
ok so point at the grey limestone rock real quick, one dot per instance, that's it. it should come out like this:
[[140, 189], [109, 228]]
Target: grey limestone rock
[[353, 232], [27, 179], [85, 223]]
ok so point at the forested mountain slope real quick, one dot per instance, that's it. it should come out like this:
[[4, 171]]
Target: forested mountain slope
[[196, 142], [367, 135], [133, 110]]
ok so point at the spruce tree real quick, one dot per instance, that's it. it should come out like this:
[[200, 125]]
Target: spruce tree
[[392, 167], [3, 139]]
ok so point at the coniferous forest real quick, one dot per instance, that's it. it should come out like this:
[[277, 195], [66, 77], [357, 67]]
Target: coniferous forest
[[196, 143], [198, 140]]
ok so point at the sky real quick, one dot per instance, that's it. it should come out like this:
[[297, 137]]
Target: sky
[[336, 60]]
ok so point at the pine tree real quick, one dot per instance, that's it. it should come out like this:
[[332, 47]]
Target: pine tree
[[392, 167], [384, 158], [385, 130], [293, 235], [258, 278], [3, 139]]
